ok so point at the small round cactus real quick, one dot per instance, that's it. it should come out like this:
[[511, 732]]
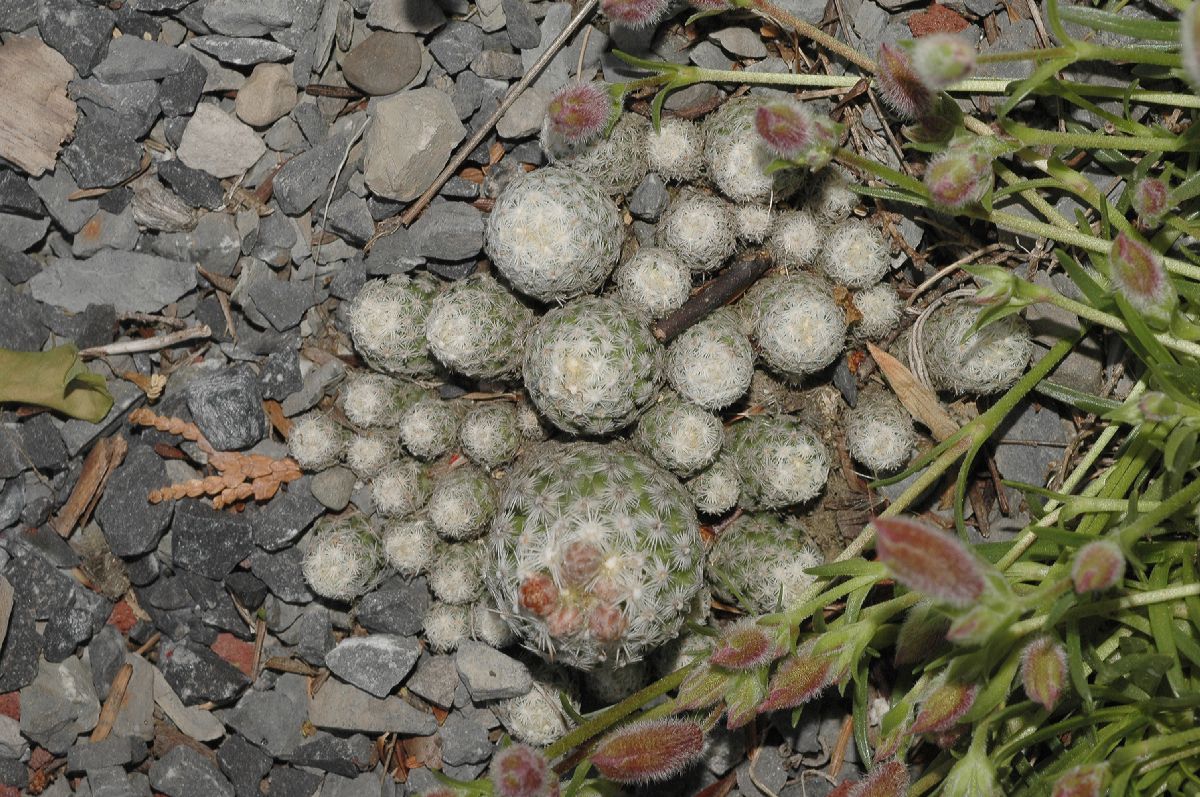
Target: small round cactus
[[879, 432], [400, 489], [490, 434], [736, 159], [780, 461], [711, 363], [758, 563], [855, 254], [984, 362], [387, 323], [795, 238], [596, 554], [369, 453], [717, 488], [488, 624], [316, 441], [429, 428], [592, 366], [456, 572], [831, 197], [371, 399], [462, 504], [612, 685], [752, 223], [676, 151], [537, 717], [477, 328], [408, 545], [796, 322], [341, 558], [554, 234], [681, 437], [879, 308], [654, 280], [616, 161], [699, 229], [447, 626]]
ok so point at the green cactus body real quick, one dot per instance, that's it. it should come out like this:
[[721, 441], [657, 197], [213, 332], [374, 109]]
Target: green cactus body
[[735, 158], [400, 489], [429, 428], [387, 324], [456, 572], [596, 554], [490, 434], [477, 328], [592, 366], [758, 563], [781, 461], [342, 558], [879, 432], [986, 361], [717, 488], [408, 545], [711, 363], [462, 503], [796, 322], [681, 437], [370, 452], [554, 234], [699, 229]]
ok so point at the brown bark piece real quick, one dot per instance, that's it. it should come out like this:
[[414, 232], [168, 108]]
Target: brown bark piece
[[99, 464], [38, 116]]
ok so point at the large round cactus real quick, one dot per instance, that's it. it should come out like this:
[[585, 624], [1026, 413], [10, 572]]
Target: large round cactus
[[796, 322], [592, 366], [758, 563], [596, 554]]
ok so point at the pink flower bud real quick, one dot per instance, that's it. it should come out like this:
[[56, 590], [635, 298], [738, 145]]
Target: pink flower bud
[[520, 771], [1149, 199], [1137, 273], [977, 625], [711, 5], [790, 131], [1189, 43], [606, 623], [799, 679], [538, 594], [703, 689], [649, 750], [1044, 671], [745, 646], [922, 634], [1088, 780], [941, 59], [580, 561], [578, 112], [566, 620], [889, 779], [634, 13], [944, 707], [742, 698], [926, 560], [959, 177], [899, 83], [1097, 566]]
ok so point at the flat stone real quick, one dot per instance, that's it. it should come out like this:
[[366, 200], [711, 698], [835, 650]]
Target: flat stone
[[12, 744], [405, 16], [490, 674], [523, 30], [208, 541], [227, 407], [350, 218], [344, 707], [66, 631], [267, 95], [113, 751], [129, 109], [17, 197], [247, 588], [131, 524], [21, 651], [318, 381], [283, 573], [110, 782], [306, 177], [6, 605], [341, 756], [282, 304], [375, 663], [497, 65], [219, 144], [184, 772], [55, 189], [333, 486], [197, 675], [198, 189], [279, 375], [398, 607], [383, 63], [270, 720], [130, 282], [179, 93], [242, 52], [311, 635], [280, 522], [214, 241], [741, 42], [649, 199], [196, 723], [524, 117], [449, 231], [21, 232], [409, 141], [39, 586], [491, 15], [435, 680], [131, 58], [79, 31], [23, 328], [59, 705], [464, 741], [16, 266], [238, 18], [106, 231], [290, 782], [456, 45], [101, 155], [244, 764]]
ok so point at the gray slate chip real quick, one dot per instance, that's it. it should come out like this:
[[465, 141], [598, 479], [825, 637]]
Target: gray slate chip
[[20, 652], [290, 782], [375, 663], [227, 407], [397, 607], [341, 756], [208, 541], [280, 522], [456, 46], [490, 674], [55, 189], [131, 524], [17, 197], [101, 155], [270, 720], [110, 782], [244, 764], [16, 266], [23, 328], [242, 52], [306, 178], [523, 30], [198, 189], [39, 586], [59, 705], [129, 281], [113, 751], [283, 304], [132, 58], [283, 573], [184, 772], [449, 231], [350, 218], [340, 706], [435, 680], [197, 674], [81, 32], [464, 741], [179, 92], [65, 632]]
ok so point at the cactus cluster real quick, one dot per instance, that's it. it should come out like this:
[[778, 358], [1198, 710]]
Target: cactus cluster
[[759, 563]]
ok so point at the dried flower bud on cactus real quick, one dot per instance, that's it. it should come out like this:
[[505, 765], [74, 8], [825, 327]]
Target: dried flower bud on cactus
[[1097, 566], [698, 229], [1149, 199], [794, 134], [758, 563], [676, 150], [592, 365], [799, 679], [429, 428], [477, 328], [1044, 671], [900, 85], [316, 441], [944, 707], [983, 362], [462, 504], [711, 363], [387, 323], [781, 461], [736, 157], [649, 751], [941, 59], [489, 434], [879, 431], [579, 112], [929, 561], [634, 13], [554, 234], [796, 322], [400, 489], [520, 771], [1138, 274], [1086, 780], [654, 280], [681, 437], [959, 177], [341, 558]]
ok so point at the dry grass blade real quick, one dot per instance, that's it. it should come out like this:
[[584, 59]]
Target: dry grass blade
[[921, 402]]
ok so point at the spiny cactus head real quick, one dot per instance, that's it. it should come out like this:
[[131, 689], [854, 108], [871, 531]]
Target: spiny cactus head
[[369, 453], [316, 441], [408, 545], [681, 437], [855, 254], [456, 572], [736, 158], [798, 325], [941, 59], [959, 177], [983, 362], [596, 554], [752, 223], [879, 432], [429, 428], [699, 230], [447, 626], [879, 308], [373, 400], [716, 489], [400, 489], [675, 152], [654, 280], [579, 112], [341, 558], [795, 239], [591, 366], [830, 197], [616, 161], [758, 563], [711, 363], [462, 504], [781, 461], [537, 717], [477, 328], [490, 434], [634, 13], [387, 323]]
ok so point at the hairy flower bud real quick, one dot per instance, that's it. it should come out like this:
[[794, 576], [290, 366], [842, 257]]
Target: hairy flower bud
[[648, 751], [1137, 273], [1189, 43], [942, 59], [972, 776], [1044, 671], [1087, 780], [702, 689], [634, 13], [959, 177], [1097, 566], [742, 699], [929, 561], [889, 779], [745, 646], [793, 133], [901, 86], [799, 679], [578, 112], [944, 707], [1149, 199], [520, 771], [978, 624]]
